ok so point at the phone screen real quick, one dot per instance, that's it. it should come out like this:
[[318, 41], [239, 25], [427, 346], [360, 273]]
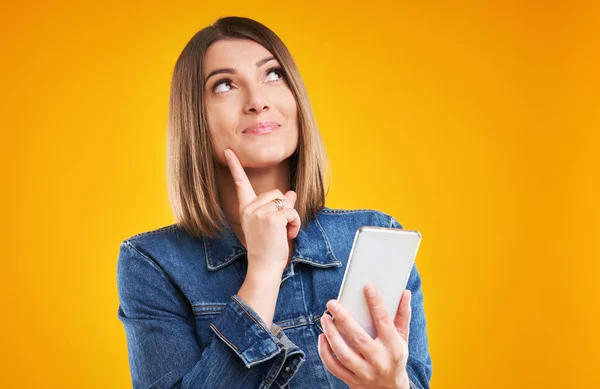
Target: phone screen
[[381, 256]]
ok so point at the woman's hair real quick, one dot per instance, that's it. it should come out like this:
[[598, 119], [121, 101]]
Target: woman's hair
[[191, 164]]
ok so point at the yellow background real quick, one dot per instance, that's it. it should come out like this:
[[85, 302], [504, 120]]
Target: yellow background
[[476, 124]]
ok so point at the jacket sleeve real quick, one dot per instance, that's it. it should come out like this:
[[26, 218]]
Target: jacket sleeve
[[163, 350], [418, 366]]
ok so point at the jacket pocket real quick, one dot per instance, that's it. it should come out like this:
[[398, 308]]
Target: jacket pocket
[[317, 321], [205, 314]]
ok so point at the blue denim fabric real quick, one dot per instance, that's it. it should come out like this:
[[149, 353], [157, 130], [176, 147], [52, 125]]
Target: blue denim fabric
[[186, 327]]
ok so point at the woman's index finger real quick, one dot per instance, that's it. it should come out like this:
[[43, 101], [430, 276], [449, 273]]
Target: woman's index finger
[[244, 189]]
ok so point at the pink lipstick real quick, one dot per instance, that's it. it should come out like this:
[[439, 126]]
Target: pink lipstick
[[261, 128]]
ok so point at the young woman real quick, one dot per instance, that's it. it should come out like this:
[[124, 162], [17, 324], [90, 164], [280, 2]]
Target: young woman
[[234, 294]]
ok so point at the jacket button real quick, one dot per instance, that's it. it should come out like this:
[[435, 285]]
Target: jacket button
[[287, 369]]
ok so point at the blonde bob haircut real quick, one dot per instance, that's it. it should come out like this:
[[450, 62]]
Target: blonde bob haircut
[[191, 164]]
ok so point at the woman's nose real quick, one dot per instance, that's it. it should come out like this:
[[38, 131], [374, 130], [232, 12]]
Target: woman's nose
[[255, 100]]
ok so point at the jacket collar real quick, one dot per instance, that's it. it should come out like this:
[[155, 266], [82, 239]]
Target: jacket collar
[[312, 246]]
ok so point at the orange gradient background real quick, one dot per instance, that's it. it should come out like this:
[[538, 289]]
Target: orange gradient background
[[476, 124]]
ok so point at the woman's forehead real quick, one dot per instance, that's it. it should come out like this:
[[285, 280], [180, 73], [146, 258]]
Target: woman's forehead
[[238, 53]]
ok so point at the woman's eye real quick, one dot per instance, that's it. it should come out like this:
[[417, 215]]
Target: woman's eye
[[274, 71], [218, 86], [224, 85]]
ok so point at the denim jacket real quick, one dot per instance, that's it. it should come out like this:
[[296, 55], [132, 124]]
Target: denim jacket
[[186, 327]]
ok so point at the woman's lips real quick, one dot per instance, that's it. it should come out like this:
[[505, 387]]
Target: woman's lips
[[261, 128]]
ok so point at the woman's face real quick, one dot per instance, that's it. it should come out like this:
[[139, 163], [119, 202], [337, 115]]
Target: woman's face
[[246, 86]]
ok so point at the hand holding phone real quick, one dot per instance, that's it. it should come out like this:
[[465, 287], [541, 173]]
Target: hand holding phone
[[354, 348], [383, 257]]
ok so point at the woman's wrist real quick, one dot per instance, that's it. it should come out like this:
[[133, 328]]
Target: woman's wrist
[[260, 292]]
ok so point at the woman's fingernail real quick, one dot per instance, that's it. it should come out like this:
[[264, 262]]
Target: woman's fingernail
[[333, 306], [371, 291]]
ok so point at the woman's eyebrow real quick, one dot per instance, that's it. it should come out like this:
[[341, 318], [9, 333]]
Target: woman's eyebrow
[[233, 71]]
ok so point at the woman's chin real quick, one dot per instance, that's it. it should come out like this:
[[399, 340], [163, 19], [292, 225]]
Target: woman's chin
[[264, 159]]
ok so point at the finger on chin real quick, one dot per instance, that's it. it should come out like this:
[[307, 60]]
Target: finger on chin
[[244, 189]]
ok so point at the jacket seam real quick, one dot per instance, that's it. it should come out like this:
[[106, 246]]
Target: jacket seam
[[209, 305], [161, 377], [266, 357], [155, 231], [202, 312], [326, 239], [309, 318], [224, 337], [343, 211], [303, 293], [149, 260]]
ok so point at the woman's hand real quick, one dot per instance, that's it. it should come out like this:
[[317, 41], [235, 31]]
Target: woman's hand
[[266, 230], [368, 363]]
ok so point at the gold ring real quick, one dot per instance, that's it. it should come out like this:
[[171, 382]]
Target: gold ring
[[278, 204]]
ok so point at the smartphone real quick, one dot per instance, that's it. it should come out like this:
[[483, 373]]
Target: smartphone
[[381, 256]]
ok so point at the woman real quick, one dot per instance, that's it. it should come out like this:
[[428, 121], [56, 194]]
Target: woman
[[234, 294]]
